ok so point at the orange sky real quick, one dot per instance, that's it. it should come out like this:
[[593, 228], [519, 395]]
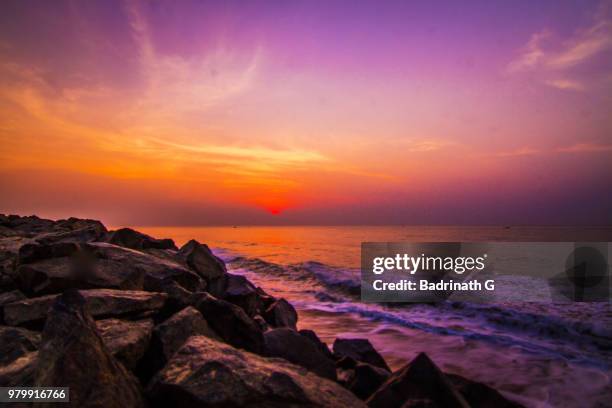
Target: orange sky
[[146, 113]]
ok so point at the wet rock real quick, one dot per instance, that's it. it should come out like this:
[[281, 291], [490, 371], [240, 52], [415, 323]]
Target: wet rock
[[362, 378], [100, 302], [295, 348], [205, 372], [480, 395], [241, 292], [231, 323], [281, 314], [129, 238], [126, 340], [419, 380], [312, 336], [173, 333], [72, 354], [360, 350], [199, 258]]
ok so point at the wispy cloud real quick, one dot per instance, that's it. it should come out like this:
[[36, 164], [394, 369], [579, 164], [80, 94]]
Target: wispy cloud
[[586, 148], [553, 58], [523, 151]]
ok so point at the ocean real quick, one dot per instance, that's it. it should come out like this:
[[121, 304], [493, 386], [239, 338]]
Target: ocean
[[540, 354]]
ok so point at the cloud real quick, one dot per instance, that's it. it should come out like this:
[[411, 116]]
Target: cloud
[[586, 148], [523, 151], [554, 60]]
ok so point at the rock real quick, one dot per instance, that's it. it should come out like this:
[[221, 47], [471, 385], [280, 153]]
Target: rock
[[199, 258], [85, 234], [418, 380], [126, 340], [15, 343], [480, 395], [361, 350], [362, 379], [128, 238], [295, 348], [19, 372], [33, 252], [231, 323], [9, 297], [241, 292], [173, 333], [205, 372], [261, 322], [281, 314], [312, 336], [100, 302], [72, 354]]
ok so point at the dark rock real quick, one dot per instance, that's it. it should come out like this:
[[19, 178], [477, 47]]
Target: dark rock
[[418, 380], [19, 372], [199, 258], [16, 342], [33, 252], [480, 395], [281, 314], [9, 297], [72, 354], [361, 350], [312, 336], [84, 234], [362, 379], [100, 302], [126, 340], [205, 372], [297, 349], [261, 322], [231, 323], [241, 292], [128, 238], [173, 333]]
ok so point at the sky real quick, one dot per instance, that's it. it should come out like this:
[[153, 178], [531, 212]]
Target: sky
[[307, 112]]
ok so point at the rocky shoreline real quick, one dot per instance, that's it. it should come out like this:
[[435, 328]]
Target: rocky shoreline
[[128, 320]]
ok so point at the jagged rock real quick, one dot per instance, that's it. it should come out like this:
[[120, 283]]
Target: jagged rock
[[480, 395], [127, 237], [84, 234], [361, 350], [9, 297], [126, 340], [199, 258], [173, 333], [205, 372], [261, 322], [33, 252], [312, 336], [100, 302], [281, 314], [72, 354], [297, 349], [362, 378], [418, 380], [231, 323], [241, 292], [18, 351]]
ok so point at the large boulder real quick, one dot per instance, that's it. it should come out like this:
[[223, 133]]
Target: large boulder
[[231, 323], [420, 380], [99, 302], [295, 348], [199, 258], [52, 268], [9, 297], [281, 314], [173, 332], [205, 372], [241, 292], [18, 350], [72, 354], [312, 336], [360, 350], [126, 340], [361, 378], [480, 395], [129, 238]]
